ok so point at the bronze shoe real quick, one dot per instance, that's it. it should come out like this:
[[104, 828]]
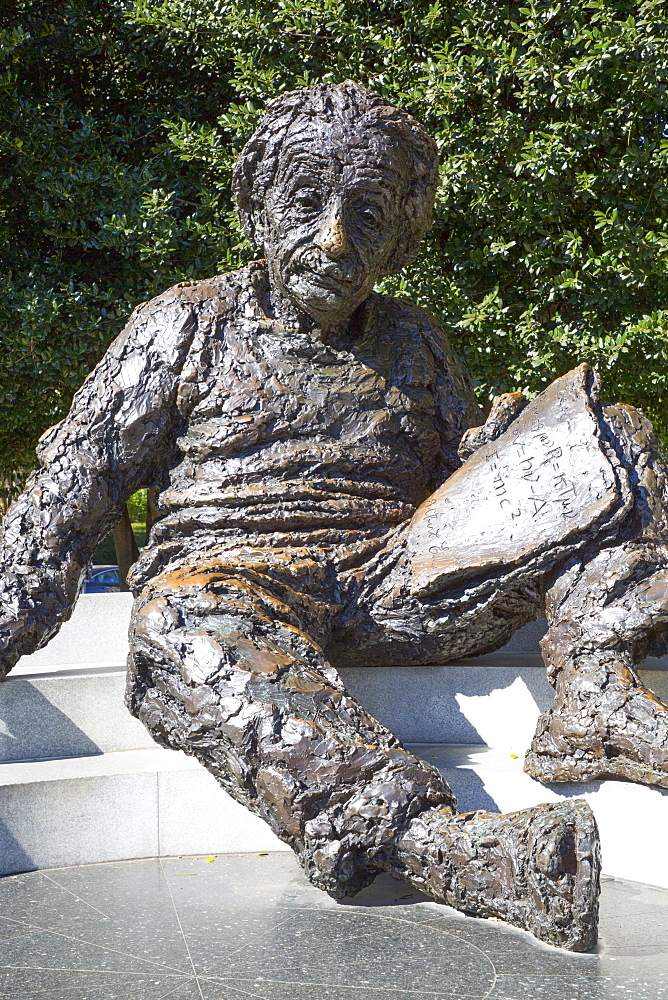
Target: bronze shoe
[[538, 869]]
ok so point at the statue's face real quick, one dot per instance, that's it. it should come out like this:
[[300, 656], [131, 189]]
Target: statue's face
[[332, 221]]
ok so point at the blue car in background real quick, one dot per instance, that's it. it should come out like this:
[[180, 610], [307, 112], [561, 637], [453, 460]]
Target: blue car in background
[[102, 580]]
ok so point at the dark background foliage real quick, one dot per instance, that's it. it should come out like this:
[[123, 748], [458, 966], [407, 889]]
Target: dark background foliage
[[120, 123]]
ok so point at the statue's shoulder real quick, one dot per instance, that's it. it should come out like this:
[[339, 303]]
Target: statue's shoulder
[[167, 322], [413, 323], [453, 385], [218, 294]]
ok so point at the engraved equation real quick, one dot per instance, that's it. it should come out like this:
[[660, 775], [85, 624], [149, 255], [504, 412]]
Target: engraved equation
[[542, 482]]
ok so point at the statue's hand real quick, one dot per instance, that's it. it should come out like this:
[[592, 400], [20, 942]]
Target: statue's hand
[[504, 410]]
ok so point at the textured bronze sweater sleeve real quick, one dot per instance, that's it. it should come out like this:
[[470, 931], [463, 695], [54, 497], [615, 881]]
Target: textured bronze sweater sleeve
[[112, 442]]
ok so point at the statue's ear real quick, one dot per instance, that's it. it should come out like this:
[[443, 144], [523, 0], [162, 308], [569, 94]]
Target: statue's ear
[[411, 230], [253, 220], [250, 208], [398, 258], [404, 251], [259, 227]]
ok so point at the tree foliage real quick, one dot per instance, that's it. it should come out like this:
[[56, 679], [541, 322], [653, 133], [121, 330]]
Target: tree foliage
[[120, 121]]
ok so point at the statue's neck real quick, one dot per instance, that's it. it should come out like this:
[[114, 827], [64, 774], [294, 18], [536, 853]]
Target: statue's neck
[[283, 309]]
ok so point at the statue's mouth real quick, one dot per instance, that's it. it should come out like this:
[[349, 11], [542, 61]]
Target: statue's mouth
[[330, 282], [328, 275]]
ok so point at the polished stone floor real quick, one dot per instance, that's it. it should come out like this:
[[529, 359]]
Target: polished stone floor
[[249, 925]]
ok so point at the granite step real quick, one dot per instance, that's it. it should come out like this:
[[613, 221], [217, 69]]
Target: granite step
[[116, 806], [82, 781], [150, 803], [66, 700]]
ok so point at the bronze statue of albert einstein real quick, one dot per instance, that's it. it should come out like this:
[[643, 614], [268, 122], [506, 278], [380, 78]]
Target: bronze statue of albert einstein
[[329, 494]]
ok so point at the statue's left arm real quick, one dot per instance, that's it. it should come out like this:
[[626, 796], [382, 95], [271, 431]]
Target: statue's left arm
[[456, 406], [504, 410], [112, 442], [461, 422]]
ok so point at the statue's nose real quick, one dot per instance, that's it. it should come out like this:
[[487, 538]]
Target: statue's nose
[[331, 237]]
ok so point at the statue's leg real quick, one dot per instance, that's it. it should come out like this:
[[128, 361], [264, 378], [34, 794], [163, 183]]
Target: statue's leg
[[607, 611], [480, 862], [605, 616], [223, 669]]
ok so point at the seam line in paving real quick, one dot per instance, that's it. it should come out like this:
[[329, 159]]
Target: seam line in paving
[[106, 972], [73, 894], [163, 996], [254, 940], [178, 920], [92, 944]]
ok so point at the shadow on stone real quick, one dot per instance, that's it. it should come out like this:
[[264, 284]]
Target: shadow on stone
[[385, 891], [574, 790], [468, 705], [14, 858], [470, 791], [33, 728]]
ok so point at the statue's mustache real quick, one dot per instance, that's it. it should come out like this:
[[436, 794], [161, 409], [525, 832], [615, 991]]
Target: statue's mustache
[[344, 269]]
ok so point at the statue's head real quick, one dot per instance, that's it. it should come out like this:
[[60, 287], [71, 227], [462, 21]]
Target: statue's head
[[337, 187]]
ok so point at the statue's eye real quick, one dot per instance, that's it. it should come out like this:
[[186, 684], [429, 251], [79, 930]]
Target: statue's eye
[[308, 201], [369, 218]]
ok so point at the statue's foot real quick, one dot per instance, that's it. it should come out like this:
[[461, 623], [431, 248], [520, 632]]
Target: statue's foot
[[619, 731], [537, 869]]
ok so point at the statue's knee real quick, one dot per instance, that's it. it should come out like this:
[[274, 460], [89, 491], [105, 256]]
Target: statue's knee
[[152, 619]]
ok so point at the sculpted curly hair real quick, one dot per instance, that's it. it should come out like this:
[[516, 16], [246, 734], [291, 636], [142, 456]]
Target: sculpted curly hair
[[349, 110]]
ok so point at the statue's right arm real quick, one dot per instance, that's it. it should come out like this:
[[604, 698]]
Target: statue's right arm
[[113, 441]]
